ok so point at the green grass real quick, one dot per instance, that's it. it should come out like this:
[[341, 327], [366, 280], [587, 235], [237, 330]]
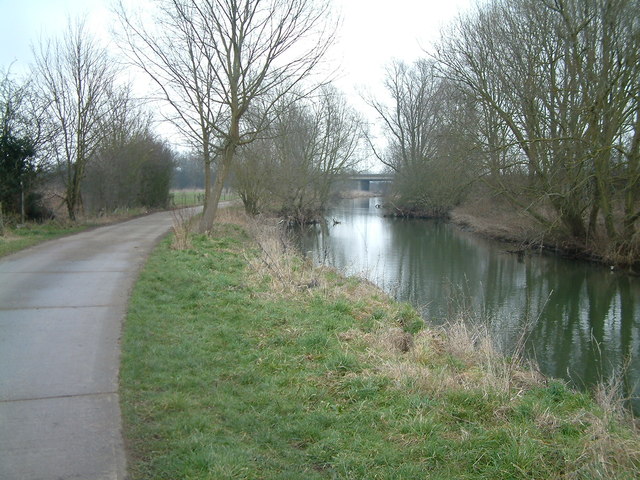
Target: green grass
[[228, 374], [33, 233], [189, 198]]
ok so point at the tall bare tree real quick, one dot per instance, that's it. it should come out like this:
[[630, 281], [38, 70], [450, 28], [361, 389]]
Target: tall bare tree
[[339, 133], [213, 59], [419, 118], [411, 117], [75, 78]]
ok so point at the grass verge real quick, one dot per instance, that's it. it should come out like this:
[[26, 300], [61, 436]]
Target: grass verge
[[32, 233], [240, 361], [193, 197], [16, 239]]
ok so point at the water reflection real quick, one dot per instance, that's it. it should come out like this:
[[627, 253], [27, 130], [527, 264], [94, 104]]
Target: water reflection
[[582, 320]]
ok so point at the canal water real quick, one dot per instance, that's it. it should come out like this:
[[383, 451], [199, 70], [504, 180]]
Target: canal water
[[581, 321]]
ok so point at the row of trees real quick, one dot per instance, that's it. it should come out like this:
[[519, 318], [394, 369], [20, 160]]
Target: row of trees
[[543, 96], [236, 76], [73, 122]]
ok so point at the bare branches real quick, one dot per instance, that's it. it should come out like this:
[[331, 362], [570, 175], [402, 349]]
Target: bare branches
[[76, 80], [419, 121], [558, 80], [308, 146], [213, 59]]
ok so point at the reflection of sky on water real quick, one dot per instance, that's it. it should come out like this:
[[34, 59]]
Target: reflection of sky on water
[[582, 320]]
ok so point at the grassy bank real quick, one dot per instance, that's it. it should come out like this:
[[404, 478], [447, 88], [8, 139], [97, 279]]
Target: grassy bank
[[241, 361], [16, 238]]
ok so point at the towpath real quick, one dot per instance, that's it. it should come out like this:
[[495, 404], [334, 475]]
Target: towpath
[[61, 309]]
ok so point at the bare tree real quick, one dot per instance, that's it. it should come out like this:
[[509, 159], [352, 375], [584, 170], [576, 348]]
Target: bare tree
[[213, 59], [339, 133], [411, 118], [75, 79], [419, 121], [308, 146]]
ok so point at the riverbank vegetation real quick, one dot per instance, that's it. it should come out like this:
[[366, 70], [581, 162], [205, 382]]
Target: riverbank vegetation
[[310, 145], [241, 360], [538, 101]]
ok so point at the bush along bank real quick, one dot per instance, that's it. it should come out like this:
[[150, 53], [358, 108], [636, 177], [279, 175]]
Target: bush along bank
[[240, 360]]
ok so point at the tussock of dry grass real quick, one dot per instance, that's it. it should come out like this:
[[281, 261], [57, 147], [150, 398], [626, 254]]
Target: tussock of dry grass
[[455, 357], [182, 229], [279, 264], [233, 215]]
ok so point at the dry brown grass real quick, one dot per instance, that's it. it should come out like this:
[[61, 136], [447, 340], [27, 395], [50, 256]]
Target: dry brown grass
[[605, 454], [182, 228], [234, 215], [495, 218], [455, 357], [279, 263]]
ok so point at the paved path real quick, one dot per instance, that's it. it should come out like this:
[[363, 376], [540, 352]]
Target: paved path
[[61, 310]]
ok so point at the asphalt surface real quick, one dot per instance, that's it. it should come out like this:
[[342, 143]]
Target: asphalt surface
[[61, 309]]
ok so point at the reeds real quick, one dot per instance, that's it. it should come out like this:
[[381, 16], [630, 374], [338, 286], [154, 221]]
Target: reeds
[[278, 261], [182, 229]]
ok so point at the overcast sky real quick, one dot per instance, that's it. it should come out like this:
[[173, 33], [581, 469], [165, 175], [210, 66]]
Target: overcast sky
[[373, 33]]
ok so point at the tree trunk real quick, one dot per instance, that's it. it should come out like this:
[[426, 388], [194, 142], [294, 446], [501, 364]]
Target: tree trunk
[[71, 203], [206, 155], [574, 223], [211, 203], [593, 215]]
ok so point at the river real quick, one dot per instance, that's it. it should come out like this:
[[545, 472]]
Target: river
[[581, 321]]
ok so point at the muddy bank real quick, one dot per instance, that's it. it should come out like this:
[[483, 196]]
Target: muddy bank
[[502, 222], [498, 220]]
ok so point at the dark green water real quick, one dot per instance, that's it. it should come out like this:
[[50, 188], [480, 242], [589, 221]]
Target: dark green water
[[581, 321]]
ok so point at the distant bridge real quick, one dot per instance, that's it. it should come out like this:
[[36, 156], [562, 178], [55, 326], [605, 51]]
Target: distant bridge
[[365, 179]]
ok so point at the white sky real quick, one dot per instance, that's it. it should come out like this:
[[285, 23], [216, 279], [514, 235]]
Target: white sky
[[373, 33]]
